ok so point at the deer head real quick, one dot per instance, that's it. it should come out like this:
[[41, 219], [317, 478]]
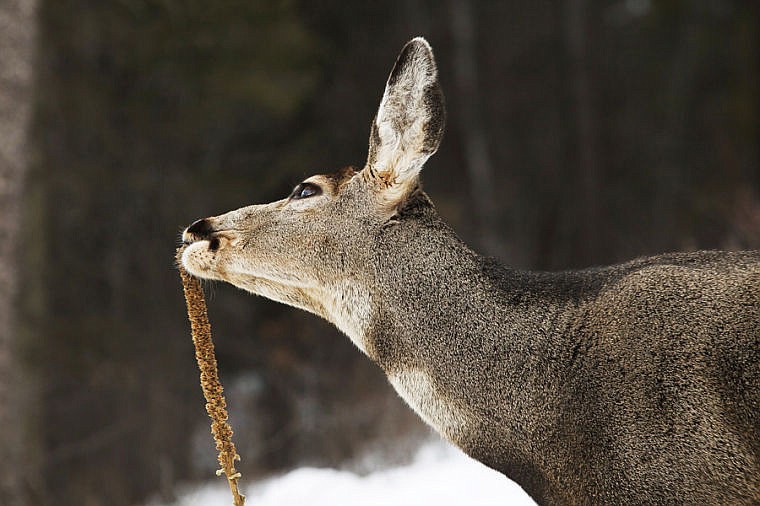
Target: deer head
[[312, 249]]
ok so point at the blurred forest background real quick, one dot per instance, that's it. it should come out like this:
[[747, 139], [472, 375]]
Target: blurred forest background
[[580, 132]]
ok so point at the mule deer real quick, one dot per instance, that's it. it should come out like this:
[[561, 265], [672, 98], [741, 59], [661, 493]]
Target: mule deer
[[637, 383]]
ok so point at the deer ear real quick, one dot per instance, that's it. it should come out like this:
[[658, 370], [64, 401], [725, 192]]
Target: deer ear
[[409, 123]]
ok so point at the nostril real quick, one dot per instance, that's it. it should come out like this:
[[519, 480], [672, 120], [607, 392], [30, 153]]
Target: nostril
[[200, 228], [213, 245]]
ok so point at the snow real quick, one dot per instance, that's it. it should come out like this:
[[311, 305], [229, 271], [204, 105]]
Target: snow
[[439, 474]]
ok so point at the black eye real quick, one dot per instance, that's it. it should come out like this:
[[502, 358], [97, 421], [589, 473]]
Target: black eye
[[305, 190]]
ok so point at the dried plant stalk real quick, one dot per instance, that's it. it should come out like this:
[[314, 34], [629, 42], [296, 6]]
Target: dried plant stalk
[[216, 406]]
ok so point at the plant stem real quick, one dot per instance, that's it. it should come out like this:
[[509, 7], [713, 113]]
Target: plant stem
[[216, 405]]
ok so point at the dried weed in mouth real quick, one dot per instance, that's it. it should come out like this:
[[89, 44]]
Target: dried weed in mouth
[[216, 406]]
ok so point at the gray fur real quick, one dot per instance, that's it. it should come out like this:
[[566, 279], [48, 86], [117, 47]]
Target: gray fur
[[632, 384]]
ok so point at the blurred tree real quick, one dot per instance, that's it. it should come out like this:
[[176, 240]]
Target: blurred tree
[[478, 162], [18, 31], [577, 15]]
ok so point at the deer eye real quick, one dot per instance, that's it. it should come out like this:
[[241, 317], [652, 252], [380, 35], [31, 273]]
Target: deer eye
[[305, 190]]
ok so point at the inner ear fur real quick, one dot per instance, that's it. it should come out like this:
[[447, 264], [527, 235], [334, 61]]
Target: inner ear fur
[[409, 123]]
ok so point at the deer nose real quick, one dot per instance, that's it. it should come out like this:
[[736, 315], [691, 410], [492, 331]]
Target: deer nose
[[199, 230]]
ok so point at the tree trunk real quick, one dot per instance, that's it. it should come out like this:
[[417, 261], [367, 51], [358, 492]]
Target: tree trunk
[[589, 244], [477, 159], [17, 36]]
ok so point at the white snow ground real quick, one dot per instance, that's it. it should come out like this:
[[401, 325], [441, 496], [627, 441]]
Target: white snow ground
[[439, 474]]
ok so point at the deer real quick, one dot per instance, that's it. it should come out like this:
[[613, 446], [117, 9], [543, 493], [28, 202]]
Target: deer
[[636, 383]]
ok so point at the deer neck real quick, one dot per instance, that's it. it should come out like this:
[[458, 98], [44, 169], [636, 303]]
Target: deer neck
[[461, 339]]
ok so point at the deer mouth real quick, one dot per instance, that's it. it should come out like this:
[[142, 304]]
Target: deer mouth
[[204, 249], [213, 242], [204, 231]]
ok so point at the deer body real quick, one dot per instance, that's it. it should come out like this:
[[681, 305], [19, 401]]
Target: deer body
[[632, 384]]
